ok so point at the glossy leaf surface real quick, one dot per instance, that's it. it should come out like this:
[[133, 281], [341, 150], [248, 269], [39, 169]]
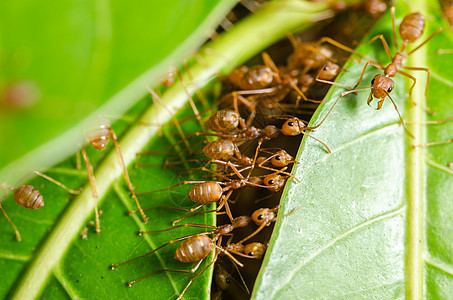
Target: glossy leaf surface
[[62, 62], [376, 214]]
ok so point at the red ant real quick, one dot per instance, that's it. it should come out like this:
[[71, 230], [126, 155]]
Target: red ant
[[411, 28], [29, 197], [205, 192], [98, 137], [196, 248]]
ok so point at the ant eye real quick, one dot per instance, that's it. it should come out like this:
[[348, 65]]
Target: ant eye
[[325, 68], [389, 90], [372, 81], [290, 124], [270, 182], [228, 280], [277, 157], [260, 217], [250, 253]]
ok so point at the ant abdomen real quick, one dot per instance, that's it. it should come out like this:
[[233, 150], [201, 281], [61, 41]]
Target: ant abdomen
[[206, 192], [411, 28], [193, 249], [220, 149], [29, 197], [99, 135], [258, 77], [223, 121]]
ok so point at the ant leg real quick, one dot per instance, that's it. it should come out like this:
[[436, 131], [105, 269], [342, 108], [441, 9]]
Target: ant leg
[[223, 202], [384, 43], [195, 277], [78, 160], [173, 186], [330, 82], [436, 122], [275, 170], [399, 115], [74, 192], [319, 141], [333, 105], [301, 94], [200, 95], [113, 266], [364, 68], [94, 192], [18, 237], [423, 43], [192, 103], [269, 62], [254, 158], [341, 46], [126, 174], [130, 283], [426, 87], [157, 99], [253, 233], [179, 226], [168, 207]]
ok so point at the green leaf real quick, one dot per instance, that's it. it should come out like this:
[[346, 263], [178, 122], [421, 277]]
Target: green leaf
[[90, 57], [376, 214], [52, 260]]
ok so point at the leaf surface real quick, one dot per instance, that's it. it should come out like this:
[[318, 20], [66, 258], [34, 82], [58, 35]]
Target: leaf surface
[[80, 58], [376, 214]]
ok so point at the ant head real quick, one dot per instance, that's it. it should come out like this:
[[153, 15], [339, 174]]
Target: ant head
[[381, 86], [222, 278], [293, 126], [329, 71], [255, 249], [412, 26], [271, 131], [281, 159], [263, 216], [258, 77], [274, 182], [241, 221]]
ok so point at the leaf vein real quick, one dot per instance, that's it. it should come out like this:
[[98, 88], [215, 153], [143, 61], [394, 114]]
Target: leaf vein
[[439, 265], [64, 283], [334, 241]]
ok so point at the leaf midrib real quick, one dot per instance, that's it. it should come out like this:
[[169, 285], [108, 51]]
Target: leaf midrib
[[415, 176]]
